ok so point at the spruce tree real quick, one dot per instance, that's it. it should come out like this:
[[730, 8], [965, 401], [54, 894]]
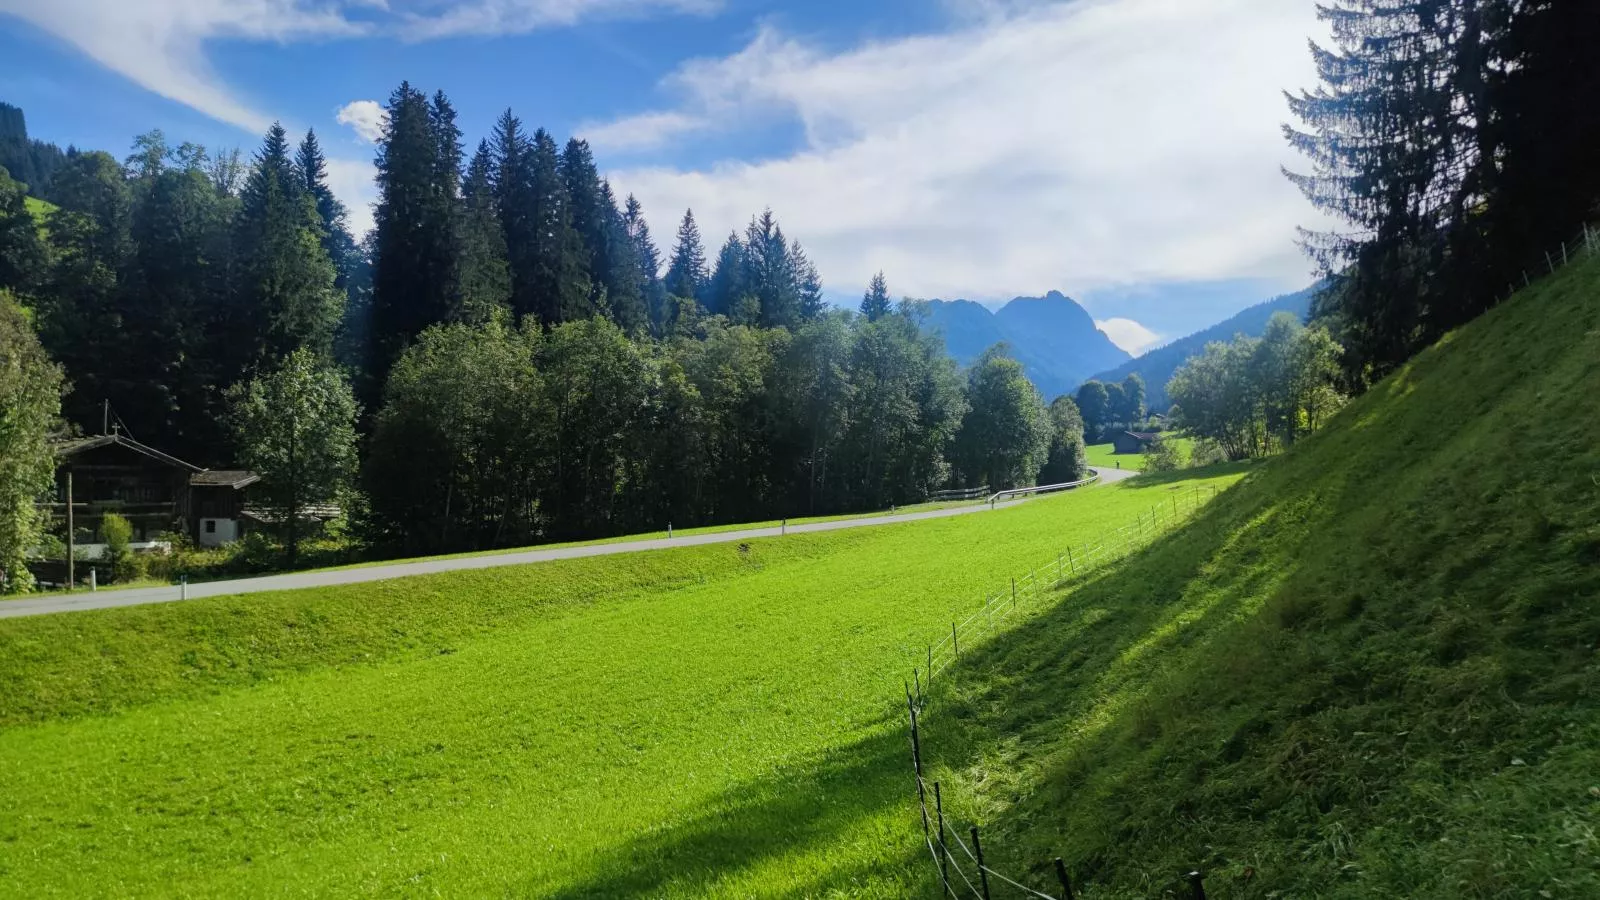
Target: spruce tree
[[560, 271], [416, 272], [285, 298], [728, 286], [485, 272], [771, 278], [337, 241], [648, 258], [687, 277], [875, 304], [515, 198], [808, 283]]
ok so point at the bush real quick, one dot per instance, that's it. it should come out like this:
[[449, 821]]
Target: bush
[[1161, 456], [118, 533], [1206, 452]]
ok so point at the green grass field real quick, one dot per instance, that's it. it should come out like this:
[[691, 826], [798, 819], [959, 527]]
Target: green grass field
[[683, 723], [1106, 455], [1370, 670]]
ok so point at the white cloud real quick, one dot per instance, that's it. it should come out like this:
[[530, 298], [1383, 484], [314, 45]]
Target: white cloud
[[352, 182], [158, 44], [639, 132], [365, 117], [501, 17], [1129, 335], [1075, 145]]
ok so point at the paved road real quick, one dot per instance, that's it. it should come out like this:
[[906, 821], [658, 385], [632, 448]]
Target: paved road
[[167, 594]]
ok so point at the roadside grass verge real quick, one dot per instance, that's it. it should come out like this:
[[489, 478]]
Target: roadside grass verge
[[702, 721]]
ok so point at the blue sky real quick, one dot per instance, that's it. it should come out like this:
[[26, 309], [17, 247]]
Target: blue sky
[[1123, 151]]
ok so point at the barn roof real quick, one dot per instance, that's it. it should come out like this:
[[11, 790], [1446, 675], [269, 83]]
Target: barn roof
[[231, 478], [1143, 435], [67, 449]]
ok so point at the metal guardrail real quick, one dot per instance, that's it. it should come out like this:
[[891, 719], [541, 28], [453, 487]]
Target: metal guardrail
[[976, 493], [1045, 488]]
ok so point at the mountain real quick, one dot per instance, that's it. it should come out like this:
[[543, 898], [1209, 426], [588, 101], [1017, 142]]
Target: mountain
[[1053, 337], [1157, 366]]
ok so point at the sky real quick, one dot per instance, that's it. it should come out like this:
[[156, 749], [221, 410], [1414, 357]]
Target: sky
[[1125, 152]]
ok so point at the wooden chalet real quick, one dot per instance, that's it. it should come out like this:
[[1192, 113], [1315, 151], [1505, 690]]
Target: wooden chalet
[[157, 493]]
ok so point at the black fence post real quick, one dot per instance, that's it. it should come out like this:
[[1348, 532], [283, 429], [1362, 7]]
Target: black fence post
[[1197, 882], [916, 764], [955, 640], [983, 874], [917, 680], [944, 853], [1061, 875]]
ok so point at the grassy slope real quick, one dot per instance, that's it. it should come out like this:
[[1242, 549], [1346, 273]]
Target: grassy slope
[[1369, 670], [40, 209], [684, 722]]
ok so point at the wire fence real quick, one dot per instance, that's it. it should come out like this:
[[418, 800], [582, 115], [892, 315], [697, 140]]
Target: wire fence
[[967, 875]]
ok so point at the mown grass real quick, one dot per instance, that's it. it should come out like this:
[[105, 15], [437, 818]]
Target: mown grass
[[1107, 455], [1371, 670], [715, 720]]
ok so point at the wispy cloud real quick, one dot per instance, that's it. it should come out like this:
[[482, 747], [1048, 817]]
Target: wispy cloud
[[1071, 145], [159, 44], [501, 17]]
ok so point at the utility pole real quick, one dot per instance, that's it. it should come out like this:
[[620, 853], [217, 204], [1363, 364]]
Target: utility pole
[[71, 538]]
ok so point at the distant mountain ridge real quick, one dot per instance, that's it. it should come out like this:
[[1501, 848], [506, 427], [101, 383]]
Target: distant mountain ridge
[[1158, 366], [1053, 337]]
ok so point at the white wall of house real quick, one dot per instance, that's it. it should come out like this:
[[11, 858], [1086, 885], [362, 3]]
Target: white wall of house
[[216, 532]]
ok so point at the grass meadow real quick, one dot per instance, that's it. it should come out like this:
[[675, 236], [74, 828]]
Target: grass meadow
[[719, 720]]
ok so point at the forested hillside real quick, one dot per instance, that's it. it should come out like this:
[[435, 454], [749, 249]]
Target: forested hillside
[[508, 357], [1053, 337], [1156, 367]]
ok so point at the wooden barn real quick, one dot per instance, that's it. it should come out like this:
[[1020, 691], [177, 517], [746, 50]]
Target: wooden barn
[[157, 493]]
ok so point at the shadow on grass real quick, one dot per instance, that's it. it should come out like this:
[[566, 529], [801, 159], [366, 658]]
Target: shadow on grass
[[801, 821], [820, 828]]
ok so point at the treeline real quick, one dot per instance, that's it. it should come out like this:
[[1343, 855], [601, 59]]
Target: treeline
[[1109, 407], [29, 161], [1458, 140], [507, 357], [1253, 396]]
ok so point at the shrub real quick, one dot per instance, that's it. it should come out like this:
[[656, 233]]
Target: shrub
[[118, 533], [1160, 456], [1206, 452]]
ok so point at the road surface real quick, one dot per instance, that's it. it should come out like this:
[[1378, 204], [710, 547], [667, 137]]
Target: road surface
[[328, 578]]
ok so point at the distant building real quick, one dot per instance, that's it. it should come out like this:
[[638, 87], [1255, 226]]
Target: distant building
[[1130, 443], [157, 493]]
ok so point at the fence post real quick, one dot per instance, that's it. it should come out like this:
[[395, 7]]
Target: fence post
[[1549, 262], [1013, 593], [1061, 875], [1197, 881], [183, 587], [1072, 562], [916, 764], [983, 874], [917, 679], [669, 531], [94, 581], [1563, 253], [955, 640], [944, 852]]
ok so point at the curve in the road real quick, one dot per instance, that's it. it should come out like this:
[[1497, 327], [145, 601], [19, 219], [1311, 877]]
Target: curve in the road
[[330, 578]]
